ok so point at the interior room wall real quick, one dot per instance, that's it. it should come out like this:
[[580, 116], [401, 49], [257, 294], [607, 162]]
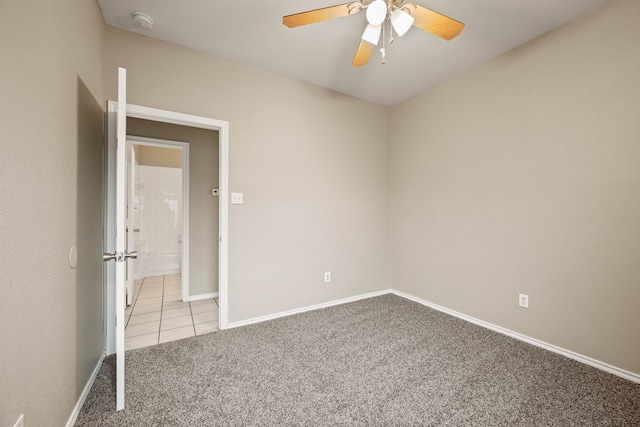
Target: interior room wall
[[51, 132], [521, 176], [157, 156], [203, 207], [313, 166]]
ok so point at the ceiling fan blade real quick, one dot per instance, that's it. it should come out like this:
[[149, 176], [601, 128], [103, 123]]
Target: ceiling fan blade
[[433, 22], [363, 53], [317, 15]]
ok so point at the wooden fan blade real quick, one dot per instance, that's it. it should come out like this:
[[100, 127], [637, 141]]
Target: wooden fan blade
[[433, 22], [317, 15], [363, 53]]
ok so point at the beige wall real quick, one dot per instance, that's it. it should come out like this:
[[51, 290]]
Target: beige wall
[[148, 155], [522, 176], [312, 164], [203, 207], [51, 135]]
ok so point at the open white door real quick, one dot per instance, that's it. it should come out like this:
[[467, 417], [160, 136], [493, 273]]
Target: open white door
[[131, 226], [121, 178], [120, 254]]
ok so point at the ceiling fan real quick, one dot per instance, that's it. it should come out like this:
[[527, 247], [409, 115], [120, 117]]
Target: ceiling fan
[[401, 16]]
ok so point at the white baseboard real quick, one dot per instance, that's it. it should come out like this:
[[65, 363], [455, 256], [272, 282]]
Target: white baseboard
[[85, 392], [304, 309], [631, 376], [203, 296], [550, 347]]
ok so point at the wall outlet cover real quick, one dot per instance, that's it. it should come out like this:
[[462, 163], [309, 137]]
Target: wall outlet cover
[[523, 300]]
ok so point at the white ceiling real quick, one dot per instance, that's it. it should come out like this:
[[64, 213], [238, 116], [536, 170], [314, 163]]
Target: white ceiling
[[251, 32]]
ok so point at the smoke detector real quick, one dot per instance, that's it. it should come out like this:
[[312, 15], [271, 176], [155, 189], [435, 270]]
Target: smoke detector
[[142, 20]]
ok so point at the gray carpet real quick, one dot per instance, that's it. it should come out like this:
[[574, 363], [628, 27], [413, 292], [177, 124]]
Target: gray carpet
[[382, 361]]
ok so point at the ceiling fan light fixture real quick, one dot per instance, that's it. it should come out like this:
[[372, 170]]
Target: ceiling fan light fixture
[[372, 34], [401, 21], [401, 18], [377, 12]]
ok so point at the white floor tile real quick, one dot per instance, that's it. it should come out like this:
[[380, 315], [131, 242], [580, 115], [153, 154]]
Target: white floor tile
[[150, 293], [141, 329], [147, 301], [201, 308], [205, 317], [142, 309], [203, 301], [207, 327], [144, 318], [153, 285], [168, 305], [161, 297], [175, 322], [176, 312], [141, 341], [176, 334], [173, 291]]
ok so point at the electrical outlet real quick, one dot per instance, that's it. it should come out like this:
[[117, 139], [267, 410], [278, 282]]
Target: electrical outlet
[[327, 277], [236, 198], [523, 300]]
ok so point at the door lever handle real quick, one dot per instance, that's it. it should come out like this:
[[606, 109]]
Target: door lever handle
[[119, 256]]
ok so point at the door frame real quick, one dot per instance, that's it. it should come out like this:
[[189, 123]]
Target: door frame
[[165, 116]]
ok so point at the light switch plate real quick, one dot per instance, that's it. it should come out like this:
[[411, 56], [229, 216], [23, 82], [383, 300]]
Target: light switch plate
[[236, 198], [215, 192]]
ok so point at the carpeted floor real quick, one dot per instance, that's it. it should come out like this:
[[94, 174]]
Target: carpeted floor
[[382, 361]]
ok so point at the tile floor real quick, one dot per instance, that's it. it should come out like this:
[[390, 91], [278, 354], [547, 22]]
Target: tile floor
[[158, 314]]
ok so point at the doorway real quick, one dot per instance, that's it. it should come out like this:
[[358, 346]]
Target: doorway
[[167, 117], [161, 209]]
